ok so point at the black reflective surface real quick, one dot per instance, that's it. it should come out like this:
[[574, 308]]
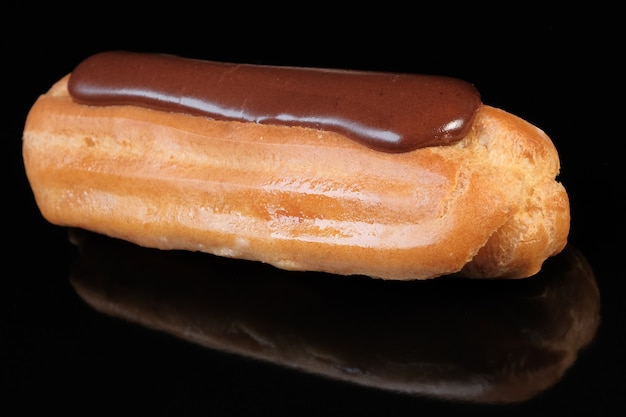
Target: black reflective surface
[[454, 339], [551, 345]]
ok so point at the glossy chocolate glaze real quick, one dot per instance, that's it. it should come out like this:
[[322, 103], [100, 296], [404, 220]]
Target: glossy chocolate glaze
[[385, 111]]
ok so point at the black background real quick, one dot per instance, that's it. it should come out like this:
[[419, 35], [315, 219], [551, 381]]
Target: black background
[[558, 70]]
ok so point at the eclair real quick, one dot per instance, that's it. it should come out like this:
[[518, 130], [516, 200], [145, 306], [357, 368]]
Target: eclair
[[389, 175]]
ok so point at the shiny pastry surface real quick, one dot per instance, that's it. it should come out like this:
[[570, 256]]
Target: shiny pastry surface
[[300, 198]]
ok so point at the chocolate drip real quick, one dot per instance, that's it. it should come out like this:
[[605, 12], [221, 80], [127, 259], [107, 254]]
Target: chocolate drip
[[385, 111]]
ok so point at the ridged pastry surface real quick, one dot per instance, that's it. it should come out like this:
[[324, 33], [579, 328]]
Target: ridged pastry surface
[[300, 198]]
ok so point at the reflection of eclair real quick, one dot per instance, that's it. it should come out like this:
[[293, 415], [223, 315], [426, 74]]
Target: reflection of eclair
[[395, 176], [483, 341]]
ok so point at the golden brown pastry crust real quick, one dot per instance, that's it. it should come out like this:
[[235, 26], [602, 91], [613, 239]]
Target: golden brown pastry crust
[[299, 198]]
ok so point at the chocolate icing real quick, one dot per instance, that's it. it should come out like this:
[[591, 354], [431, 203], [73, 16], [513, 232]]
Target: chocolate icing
[[385, 111]]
